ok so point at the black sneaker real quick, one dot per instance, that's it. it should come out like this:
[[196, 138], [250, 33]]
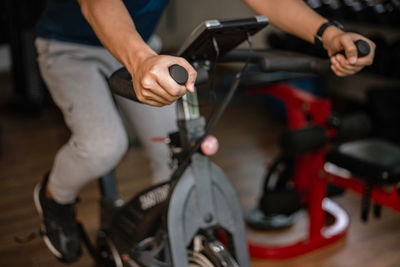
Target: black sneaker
[[59, 228]]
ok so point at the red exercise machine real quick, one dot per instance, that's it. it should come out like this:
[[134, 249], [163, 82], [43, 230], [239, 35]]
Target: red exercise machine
[[369, 167]]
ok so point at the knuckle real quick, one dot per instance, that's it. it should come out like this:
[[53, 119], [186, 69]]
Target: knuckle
[[347, 37], [170, 90], [146, 94], [181, 60], [172, 99], [193, 75], [177, 92], [153, 71], [141, 98], [146, 82], [352, 49]]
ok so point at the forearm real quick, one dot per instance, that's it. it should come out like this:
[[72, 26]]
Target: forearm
[[292, 16], [116, 31], [295, 17]]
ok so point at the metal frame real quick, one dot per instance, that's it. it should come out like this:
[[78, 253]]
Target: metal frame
[[202, 199]]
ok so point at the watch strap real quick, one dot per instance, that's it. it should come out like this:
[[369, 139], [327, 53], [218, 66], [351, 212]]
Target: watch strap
[[321, 30]]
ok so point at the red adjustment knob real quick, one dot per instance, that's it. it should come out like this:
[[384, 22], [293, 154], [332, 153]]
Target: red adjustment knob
[[210, 145]]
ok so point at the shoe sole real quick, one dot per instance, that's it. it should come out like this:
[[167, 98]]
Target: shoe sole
[[42, 227]]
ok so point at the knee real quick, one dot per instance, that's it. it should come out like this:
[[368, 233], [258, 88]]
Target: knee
[[111, 147], [101, 151]]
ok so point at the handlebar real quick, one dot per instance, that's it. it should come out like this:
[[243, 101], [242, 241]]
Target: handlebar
[[363, 48], [121, 81], [272, 61], [276, 60], [269, 61]]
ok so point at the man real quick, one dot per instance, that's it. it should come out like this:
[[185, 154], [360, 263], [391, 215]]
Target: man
[[74, 65]]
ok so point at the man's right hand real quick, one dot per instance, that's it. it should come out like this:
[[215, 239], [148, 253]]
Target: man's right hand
[[153, 83], [116, 30]]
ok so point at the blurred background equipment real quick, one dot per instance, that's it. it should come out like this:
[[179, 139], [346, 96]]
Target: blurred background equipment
[[18, 31]]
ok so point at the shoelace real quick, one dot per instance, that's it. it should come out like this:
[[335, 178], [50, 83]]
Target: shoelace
[[29, 237], [40, 233]]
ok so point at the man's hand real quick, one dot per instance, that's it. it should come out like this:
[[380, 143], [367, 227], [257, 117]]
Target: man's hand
[[152, 82], [295, 17], [154, 85], [334, 41]]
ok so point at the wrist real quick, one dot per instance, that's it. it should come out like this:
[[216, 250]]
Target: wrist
[[330, 33], [136, 54]]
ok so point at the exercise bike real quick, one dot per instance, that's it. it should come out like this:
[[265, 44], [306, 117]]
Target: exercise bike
[[195, 218]]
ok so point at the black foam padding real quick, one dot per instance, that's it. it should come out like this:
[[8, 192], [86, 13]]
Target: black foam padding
[[375, 160], [295, 142], [351, 126]]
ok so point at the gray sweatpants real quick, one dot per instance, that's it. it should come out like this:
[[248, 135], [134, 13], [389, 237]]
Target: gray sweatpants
[[76, 77]]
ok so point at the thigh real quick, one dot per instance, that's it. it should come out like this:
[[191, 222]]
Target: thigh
[[75, 77]]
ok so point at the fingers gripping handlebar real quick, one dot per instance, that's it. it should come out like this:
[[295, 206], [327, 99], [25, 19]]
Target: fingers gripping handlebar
[[310, 64], [121, 81], [363, 48]]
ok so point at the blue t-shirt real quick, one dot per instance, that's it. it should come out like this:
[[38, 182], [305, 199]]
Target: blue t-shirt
[[63, 20]]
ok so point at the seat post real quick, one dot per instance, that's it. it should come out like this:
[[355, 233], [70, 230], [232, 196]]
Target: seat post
[[110, 199], [108, 186]]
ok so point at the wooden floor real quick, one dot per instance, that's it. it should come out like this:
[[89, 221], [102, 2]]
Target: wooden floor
[[247, 141]]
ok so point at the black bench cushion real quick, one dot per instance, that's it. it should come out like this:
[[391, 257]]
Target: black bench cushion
[[375, 160]]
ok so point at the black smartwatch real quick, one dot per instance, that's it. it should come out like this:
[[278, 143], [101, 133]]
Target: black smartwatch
[[321, 30]]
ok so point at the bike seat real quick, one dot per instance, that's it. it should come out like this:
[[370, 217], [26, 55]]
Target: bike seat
[[374, 160]]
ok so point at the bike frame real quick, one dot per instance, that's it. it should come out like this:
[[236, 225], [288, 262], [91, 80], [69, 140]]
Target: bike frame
[[202, 199]]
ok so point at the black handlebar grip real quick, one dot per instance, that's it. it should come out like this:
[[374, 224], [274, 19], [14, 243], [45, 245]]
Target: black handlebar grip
[[178, 73], [363, 48], [121, 81]]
